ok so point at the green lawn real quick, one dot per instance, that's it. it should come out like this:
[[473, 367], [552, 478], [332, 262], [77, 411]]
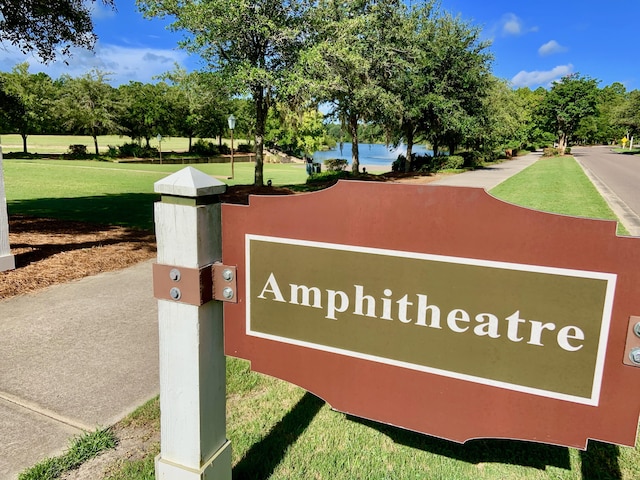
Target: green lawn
[[110, 193], [556, 185], [60, 143]]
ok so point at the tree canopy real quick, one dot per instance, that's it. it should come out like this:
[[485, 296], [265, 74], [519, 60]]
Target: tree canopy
[[569, 102], [44, 26], [253, 44]]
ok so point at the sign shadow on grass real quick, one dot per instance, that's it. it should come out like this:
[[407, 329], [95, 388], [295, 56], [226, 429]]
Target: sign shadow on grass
[[263, 457], [526, 454], [599, 461]]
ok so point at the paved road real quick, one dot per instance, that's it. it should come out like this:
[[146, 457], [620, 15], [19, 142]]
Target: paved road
[[617, 177]]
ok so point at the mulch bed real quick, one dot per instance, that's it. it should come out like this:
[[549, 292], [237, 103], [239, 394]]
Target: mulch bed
[[48, 252]]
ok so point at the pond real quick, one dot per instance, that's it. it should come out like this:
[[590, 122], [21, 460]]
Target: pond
[[370, 153]]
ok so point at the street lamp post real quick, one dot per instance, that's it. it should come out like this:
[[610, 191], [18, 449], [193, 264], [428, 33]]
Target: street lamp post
[[159, 138], [232, 125]]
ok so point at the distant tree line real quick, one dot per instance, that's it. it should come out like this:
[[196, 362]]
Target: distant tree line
[[385, 71]]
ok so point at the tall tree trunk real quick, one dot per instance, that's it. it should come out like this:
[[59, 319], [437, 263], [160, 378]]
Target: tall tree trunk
[[24, 142], [355, 154], [190, 146], [408, 134], [435, 146], [562, 143], [261, 118], [95, 143]]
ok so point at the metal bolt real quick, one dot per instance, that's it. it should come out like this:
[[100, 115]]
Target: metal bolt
[[634, 355], [175, 293], [174, 274], [227, 274], [636, 329], [228, 294]]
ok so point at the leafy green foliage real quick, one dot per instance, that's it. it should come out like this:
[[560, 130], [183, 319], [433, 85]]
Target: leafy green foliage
[[137, 151], [336, 164], [41, 26], [33, 95], [87, 105], [568, 103], [356, 52], [254, 46]]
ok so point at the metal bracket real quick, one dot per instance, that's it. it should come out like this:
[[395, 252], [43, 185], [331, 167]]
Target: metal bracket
[[632, 348], [195, 286]]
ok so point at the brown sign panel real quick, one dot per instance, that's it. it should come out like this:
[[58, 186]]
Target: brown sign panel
[[439, 309]]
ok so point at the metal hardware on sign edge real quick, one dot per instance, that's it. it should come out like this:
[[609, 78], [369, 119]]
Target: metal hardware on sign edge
[[197, 285]]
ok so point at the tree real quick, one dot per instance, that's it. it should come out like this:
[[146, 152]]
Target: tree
[[506, 118], [569, 102], [204, 101], [356, 54], [35, 93], [87, 104], [297, 133], [41, 26], [146, 110], [628, 115], [253, 44], [456, 80]]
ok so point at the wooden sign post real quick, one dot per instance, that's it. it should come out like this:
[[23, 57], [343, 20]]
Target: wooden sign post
[[192, 362], [7, 260]]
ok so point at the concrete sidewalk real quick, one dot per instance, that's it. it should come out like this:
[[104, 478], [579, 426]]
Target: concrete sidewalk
[[489, 177], [74, 357], [85, 354]]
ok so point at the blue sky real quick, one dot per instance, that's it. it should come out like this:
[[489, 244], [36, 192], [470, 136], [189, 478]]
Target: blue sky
[[533, 43]]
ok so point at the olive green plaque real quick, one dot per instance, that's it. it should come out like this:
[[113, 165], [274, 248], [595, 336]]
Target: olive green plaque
[[535, 329]]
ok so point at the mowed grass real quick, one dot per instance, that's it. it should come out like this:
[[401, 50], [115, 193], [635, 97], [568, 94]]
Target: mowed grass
[[556, 185], [111, 193], [60, 143]]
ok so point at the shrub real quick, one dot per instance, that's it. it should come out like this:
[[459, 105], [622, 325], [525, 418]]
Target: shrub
[[335, 164], [419, 163], [567, 150], [329, 176], [452, 162], [550, 152], [472, 159], [202, 147], [245, 148], [112, 152], [137, 151], [77, 150]]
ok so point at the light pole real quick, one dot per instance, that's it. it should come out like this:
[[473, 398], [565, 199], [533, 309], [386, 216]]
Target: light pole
[[232, 125], [159, 138]]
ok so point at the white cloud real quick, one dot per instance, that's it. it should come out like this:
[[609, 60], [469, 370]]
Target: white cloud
[[123, 63], [550, 48], [544, 78], [511, 24]]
